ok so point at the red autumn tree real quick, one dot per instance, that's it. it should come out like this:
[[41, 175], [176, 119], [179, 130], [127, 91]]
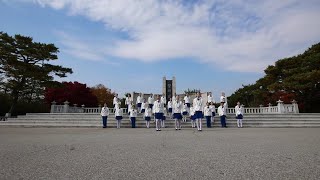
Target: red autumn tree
[[74, 92]]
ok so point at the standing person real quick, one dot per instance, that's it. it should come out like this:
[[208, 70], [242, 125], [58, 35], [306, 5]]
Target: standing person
[[213, 110], [222, 114], [158, 112], [192, 117], [187, 100], [118, 115], [163, 99], [163, 118], [147, 116], [177, 107], [151, 100], [210, 98], [207, 114], [128, 101], [184, 111], [170, 107], [143, 106], [139, 102], [239, 114], [198, 107], [174, 97], [115, 100], [104, 114], [223, 98], [133, 116]]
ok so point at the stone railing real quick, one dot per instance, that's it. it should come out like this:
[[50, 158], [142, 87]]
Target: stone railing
[[280, 108]]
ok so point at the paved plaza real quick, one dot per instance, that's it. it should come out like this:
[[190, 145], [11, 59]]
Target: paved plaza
[[94, 153]]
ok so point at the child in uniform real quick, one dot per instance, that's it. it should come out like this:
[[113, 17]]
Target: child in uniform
[[170, 107], [213, 110], [139, 102], [143, 106], [163, 118], [133, 116], [104, 114], [207, 114], [150, 101], [158, 107], [198, 107], [118, 115], [239, 114], [192, 117], [184, 111], [222, 113], [177, 107], [147, 116]]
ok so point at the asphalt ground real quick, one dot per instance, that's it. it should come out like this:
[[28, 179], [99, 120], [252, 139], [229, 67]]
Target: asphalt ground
[[217, 153]]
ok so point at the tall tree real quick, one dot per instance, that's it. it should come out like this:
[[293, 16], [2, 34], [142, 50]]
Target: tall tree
[[73, 92], [103, 94], [25, 66], [291, 78]]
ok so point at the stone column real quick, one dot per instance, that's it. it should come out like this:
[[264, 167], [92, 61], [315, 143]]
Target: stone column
[[66, 107], [261, 108], [99, 108], [53, 104], [280, 107], [164, 86], [269, 108], [174, 85], [82, 106], [295, 106]]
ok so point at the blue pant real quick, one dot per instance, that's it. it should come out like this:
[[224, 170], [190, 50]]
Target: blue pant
[[223, 121], [208, 121], [104, 121], [133, 122]]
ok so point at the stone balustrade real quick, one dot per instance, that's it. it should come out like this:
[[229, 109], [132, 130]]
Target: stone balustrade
[[281, 108]]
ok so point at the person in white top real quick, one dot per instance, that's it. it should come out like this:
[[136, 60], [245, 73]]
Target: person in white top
[[139, 102], [170, 107], [222, 113], [143, 106], [213, 110], [177, 108], [187, 100], [133, 116], [150, 100], [210, 98], [192, 117], [115, 100], [184, 111], [239, 114], [163, 99], [118, 115], [163, 118], [117, 103], [174, 98], [158, 112], [104, 114], [147, 116], [207, 114], [198, 107], [128, 101], [223, 98]]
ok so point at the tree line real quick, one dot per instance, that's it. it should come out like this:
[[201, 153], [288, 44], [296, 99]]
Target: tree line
[[27, 81]]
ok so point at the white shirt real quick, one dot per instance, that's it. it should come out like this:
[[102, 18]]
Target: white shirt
[[223, 99], [169, 104], [118, 112], [104, 111], [115, 100], [197, 104], [150, 100], [163, 100], [213, 108], [177, 107], [210, 99], [138, 99], [133, 113], [192, 111], [158, 107], [129, 107], [143, 105], [186, 99], [148, 112], [174, 98], [239, 110], [207, 111], [128, 100], [221, 110], [185, 108]]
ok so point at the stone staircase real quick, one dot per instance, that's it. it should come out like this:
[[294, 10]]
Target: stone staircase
[[94, 120]]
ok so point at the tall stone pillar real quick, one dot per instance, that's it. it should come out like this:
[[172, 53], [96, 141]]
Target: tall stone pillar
[[280, 107], [164, 81], [174, 85]]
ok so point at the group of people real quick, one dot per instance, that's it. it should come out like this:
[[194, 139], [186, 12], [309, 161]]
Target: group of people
[[176, 108]]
